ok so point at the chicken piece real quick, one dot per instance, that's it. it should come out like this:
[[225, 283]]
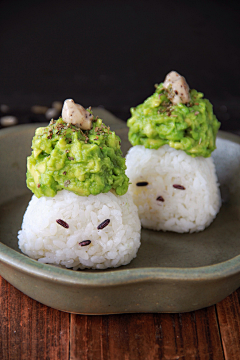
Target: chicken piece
[[177, 87], [75, 114]]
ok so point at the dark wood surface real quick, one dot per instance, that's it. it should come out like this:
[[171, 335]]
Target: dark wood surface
[[30, 330]]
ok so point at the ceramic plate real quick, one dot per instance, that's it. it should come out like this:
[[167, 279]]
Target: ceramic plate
[[172, 272]]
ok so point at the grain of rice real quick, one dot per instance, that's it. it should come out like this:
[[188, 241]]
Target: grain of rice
[[85, 242], [62, 223], [103, 224], [142, 183], [179, 187]]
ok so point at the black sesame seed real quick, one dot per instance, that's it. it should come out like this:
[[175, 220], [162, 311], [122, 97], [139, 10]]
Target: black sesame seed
[[179, 187], [142, 183], [85, 242], [103, 224], [160, 198], [62, 223]]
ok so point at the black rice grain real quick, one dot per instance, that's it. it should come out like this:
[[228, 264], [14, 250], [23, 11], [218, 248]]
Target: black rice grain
[[85, 242], [160, 198], [103, 224], [142, 183], [62, 223], [179, 187]]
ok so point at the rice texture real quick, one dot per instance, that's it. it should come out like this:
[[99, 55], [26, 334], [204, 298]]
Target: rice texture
[[180, 194], [52, 242]]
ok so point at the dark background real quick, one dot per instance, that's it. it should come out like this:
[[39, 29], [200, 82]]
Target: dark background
[[111, 53]]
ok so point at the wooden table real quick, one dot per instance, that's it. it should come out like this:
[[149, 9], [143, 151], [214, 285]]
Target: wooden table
[[30, 330]]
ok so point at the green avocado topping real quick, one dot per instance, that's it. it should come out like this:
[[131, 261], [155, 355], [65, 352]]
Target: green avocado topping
[[82, 161], [191, 127]]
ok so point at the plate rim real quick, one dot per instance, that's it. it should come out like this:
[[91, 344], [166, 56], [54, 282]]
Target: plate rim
[[120, 276]]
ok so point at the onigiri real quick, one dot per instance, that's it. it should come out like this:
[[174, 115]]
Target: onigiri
[[172, 176], [80, 215]]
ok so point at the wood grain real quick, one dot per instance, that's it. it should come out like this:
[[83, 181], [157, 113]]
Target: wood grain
[[228, 312], [30, 330], [146, 336]]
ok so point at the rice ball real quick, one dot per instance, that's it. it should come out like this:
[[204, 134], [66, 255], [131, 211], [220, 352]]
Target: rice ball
[[95, 231], [172, 190]]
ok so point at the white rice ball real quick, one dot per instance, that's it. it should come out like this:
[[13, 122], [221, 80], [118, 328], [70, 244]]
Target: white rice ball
[[182, 193], [116, 244]]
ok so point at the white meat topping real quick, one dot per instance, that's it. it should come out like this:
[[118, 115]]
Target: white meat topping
[[75, 114], [177, 87]]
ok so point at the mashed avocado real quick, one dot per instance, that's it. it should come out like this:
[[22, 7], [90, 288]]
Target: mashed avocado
[[84, 162], [191, 127]]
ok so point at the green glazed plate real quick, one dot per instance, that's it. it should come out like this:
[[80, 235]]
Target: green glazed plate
[[172, 272]]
